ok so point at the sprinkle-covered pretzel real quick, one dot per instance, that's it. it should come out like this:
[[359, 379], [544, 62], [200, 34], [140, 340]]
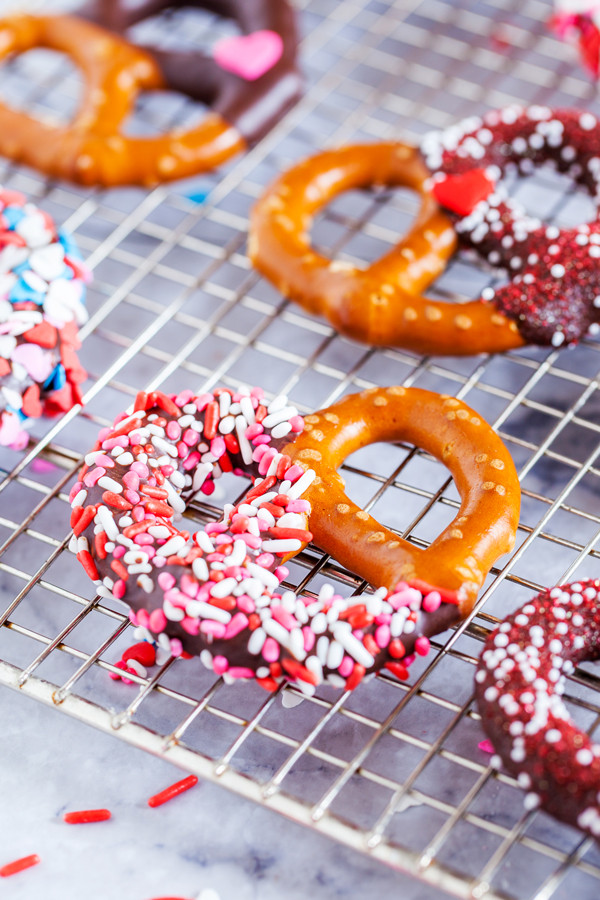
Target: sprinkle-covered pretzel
[[519, 686], [250, 79], [42, 294], [217, 593], [382, 303], [554, 292], [92, 148]]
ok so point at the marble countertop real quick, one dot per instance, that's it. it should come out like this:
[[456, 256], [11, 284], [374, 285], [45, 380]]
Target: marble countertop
[[205, 839]]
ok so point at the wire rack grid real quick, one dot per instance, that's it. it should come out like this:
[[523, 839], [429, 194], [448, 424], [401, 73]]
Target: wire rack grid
[[393, 769]]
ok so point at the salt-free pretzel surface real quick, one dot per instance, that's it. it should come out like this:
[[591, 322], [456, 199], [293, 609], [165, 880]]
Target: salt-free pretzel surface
[[217, 593], [92, 148], [382, 303]]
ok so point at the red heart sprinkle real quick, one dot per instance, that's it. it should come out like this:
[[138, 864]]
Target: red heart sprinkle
[[44, 335], [31, 402], [143, 653], [462, 193], [4, 367]]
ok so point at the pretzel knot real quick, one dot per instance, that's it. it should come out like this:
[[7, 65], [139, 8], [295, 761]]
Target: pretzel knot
[[217, 593], [92, 149]]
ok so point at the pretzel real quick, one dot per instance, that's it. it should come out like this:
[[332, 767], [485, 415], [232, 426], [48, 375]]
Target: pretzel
[[218, 594], [519, 685], [555, 279], [383, 303], [250, 79], [42, 294], [92, 149]]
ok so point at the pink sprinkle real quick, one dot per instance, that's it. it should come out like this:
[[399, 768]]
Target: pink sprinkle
[[103, 460], [189, 585], [250, 540], [346, 667], [260, 451], [111, 443], [173, 430], [143, 539], [217, 447], [253, 431], [309, 638], [140, 469], [157, 621], [404, 597], [133, 617], [208, 488], [90, 478], [176, 647], [119, 589], [383, 619], [143, 618], [217, 629], [297, 423], [215, 528], [293, 473], [240, 672], [119, 551], [131, 480], [262, 440], [486, 746], [382, 636], [132, 496], [297, 506], [75, 490], [167, 470], [281, 572], [422, 645], [190, 437], [43, 465], [270, 650], [220, 665], [257, 393], [284, 618], [138, 514], [174, 596], [192, 626], [266, 460], [192, 461], [237, 624], [166, 580], [202, 401], [246, 604], [432, 601], [265, 560]]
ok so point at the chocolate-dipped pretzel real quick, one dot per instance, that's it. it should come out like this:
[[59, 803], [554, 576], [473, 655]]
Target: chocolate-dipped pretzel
[[250, 80], [217, 593], [553, 295], [520, 680]]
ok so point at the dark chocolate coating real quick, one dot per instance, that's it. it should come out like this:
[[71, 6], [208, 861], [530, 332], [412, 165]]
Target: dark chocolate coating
[[253, 107]]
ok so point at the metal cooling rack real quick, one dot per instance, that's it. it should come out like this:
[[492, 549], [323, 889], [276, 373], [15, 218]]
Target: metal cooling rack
[[393, 770]]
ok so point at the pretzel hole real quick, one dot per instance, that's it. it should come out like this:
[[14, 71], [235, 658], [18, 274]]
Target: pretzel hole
[[44, 83], [361, 225], [158, 112], [186, 28], [398, 483], [554, 197]]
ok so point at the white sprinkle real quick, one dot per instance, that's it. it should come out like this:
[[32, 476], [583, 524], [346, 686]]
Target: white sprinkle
[[302, 484], [202, 472], [173, 546], [146, 584], [223, 588], [353, 647], [164, 446], [257, 639], [288, 545], [109, 484], [557, 270], [200, 569], [198, 609], [227, 425], [245, 448], [173, 613], [109, 525], [263, 575], [323, 649]]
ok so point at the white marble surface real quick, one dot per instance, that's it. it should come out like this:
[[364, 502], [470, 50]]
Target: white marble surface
[[206, 838]]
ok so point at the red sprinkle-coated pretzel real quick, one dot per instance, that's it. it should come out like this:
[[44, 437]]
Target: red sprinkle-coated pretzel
[[218, 593], [519, 686]]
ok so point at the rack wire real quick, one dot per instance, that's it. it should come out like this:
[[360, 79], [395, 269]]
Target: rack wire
[[394, 769]]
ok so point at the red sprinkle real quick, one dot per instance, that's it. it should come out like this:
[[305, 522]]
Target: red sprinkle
[[19, 865], [173, 791], [211, 420], [84, 816]]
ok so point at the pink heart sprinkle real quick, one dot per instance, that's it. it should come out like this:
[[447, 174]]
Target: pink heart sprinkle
[[249, 55], [36, 360], [486, 746]]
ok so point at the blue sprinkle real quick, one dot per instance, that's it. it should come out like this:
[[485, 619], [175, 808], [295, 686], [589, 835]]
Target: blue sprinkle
[[13, 215], [71, 248], [56, 379], [21, 293]]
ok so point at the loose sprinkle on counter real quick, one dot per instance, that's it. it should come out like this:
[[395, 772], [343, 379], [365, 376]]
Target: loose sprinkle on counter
[[85, 816], [19, 865], [173, 791]]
